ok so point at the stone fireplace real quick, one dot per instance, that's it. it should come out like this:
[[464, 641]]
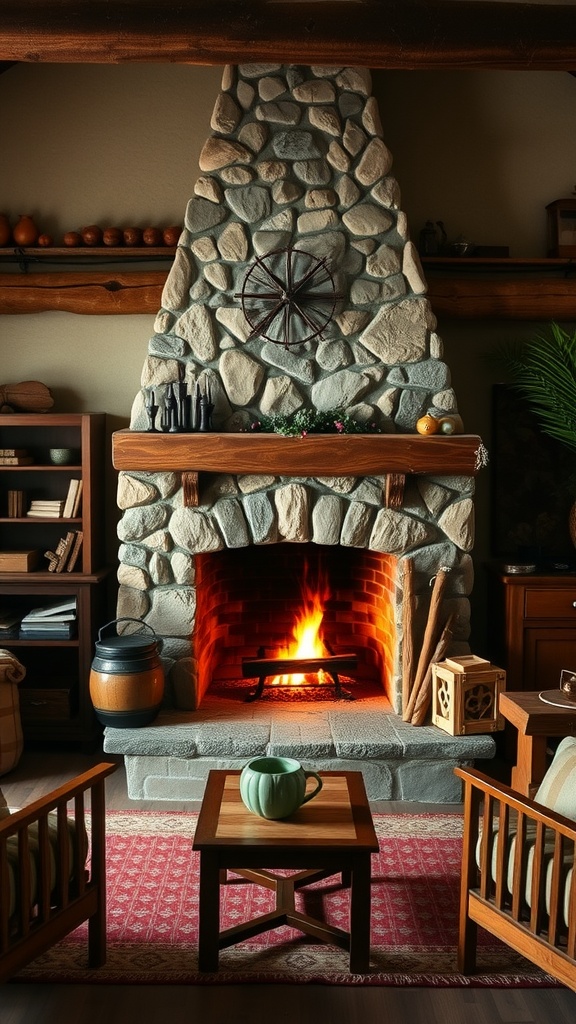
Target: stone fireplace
[[295, 292]]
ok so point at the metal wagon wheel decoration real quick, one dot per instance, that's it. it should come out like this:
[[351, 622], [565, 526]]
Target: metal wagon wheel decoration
[[288, 297]]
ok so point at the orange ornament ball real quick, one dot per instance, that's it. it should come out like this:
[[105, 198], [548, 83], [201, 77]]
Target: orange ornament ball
[[171, 234], [112, 237], [152, 236], [73, 239], [92, 234], [132, 236], [427, 425]]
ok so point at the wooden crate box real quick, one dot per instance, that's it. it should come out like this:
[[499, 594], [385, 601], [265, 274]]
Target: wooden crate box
[[465, 693]]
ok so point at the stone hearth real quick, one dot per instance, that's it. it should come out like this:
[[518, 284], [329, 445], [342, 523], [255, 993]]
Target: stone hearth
[[170, 759]]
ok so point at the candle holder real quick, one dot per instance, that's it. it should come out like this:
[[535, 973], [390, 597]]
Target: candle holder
[[151, 411]]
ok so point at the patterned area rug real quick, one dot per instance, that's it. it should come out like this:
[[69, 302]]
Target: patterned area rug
[[153, 924]]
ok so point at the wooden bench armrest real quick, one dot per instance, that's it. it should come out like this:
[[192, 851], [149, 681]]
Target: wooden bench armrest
[[68, 791], [482, 784]]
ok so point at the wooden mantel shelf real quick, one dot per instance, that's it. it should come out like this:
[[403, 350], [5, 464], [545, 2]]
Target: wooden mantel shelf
[[395, 455], [315, 455]]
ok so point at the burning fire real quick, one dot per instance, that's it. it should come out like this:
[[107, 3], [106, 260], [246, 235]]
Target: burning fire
[[307, 636]]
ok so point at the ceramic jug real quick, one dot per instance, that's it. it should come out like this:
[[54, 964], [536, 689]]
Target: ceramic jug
[[275, 787]]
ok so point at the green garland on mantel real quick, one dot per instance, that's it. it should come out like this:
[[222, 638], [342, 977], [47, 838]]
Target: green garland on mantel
[[312, 421]]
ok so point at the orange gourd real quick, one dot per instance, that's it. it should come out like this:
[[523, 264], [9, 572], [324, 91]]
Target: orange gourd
[[25, 231]]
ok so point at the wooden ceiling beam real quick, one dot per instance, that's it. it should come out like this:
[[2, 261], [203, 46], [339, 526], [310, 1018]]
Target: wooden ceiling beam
[[396, 34]]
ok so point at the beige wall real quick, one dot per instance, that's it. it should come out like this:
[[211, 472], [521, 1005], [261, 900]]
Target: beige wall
[[482, 151]]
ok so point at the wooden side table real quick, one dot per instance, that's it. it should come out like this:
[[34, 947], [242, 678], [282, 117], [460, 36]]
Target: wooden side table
[[334, 833], [535, 722]]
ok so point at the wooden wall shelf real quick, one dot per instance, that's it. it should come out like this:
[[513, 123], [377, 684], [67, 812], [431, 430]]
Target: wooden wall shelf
[[472, 288], [95, 292], [84, 254], [415, 34], [467, 289]]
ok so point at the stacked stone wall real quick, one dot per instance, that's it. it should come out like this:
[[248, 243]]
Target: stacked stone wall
[[296, 159]]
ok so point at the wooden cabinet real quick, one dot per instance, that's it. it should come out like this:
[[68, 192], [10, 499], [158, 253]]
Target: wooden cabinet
[[54, 697], [533, 627]]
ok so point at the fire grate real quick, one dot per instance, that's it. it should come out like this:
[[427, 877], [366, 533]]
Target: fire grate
[[331, 664]]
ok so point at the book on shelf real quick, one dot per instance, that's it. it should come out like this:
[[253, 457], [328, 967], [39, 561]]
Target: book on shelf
[[49, 625], [16, 460], [77, 500], [13, 452], [52, 560], [15, 504], [75, 552], [58, 631], [47, 621], [57, 559], [66, 549], [61, 606], [72, 499]]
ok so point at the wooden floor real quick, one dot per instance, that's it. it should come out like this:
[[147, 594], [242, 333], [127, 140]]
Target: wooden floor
[[249, 1004]]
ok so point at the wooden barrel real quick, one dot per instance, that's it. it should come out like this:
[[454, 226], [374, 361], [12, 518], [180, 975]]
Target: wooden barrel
[[127, 677]]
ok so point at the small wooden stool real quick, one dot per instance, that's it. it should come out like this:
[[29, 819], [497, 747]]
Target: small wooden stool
[[332, 834]]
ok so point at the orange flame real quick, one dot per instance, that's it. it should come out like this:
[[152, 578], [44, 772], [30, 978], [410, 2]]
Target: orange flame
[[307, 636]]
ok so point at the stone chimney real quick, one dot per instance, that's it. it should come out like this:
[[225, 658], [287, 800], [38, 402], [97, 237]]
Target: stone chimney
[[296, 161]]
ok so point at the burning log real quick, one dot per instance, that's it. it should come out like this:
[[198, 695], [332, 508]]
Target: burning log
[[332, 664], [429, 642]]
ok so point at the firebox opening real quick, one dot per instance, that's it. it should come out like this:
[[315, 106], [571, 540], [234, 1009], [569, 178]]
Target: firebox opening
[[249, 601]]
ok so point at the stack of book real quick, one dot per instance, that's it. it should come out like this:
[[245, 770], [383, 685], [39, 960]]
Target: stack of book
[[47, 509], [15, 457], [53, 621], [57, 508], [67, 552]]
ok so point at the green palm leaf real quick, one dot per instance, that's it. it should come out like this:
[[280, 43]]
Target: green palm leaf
[[544, 371]]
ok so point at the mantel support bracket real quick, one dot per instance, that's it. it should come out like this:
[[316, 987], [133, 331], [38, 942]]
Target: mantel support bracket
[[190, 489], [394, 490]]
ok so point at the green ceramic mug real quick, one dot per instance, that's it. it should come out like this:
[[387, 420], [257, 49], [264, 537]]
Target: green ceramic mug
[[275, 787]]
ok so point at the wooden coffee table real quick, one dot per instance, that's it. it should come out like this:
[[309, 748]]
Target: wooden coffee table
[[333, 833], [535, 722]]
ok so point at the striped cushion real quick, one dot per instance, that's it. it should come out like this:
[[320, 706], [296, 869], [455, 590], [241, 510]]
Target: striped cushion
[[557, 792], [34, 855], [558, 787]]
